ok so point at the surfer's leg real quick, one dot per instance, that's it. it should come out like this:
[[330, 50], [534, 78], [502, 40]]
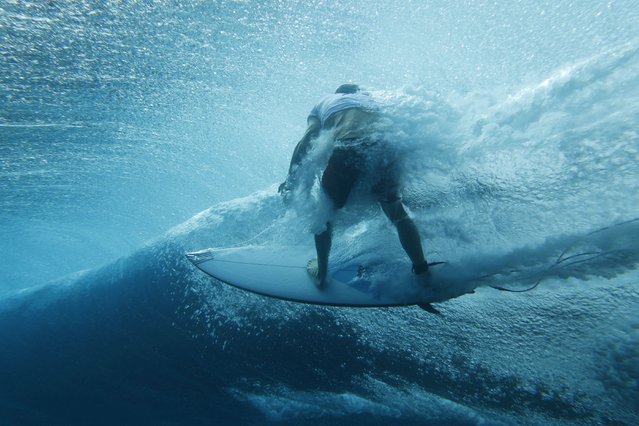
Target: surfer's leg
[[341, 174], [323, 248], [408, 233], [387, 190], [338, 180]]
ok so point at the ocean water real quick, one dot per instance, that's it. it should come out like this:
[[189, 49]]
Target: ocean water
[[133, 132]]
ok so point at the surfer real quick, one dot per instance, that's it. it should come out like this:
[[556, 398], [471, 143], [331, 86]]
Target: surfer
[[350, 115]]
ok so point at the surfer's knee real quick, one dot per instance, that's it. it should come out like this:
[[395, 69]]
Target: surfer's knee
[[395, 211]]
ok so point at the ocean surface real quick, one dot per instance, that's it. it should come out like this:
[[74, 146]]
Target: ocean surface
[[134, 132]]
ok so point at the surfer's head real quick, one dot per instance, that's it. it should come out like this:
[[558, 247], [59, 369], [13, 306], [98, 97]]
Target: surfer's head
[[348, 88]]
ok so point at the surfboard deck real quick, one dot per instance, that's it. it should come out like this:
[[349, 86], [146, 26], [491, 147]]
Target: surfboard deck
[[281, 272]]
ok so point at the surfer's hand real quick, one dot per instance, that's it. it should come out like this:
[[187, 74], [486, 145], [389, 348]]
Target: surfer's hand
[[285, 190], [287, 186]]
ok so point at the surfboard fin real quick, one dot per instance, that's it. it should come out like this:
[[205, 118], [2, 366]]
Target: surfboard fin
[[429, 308]]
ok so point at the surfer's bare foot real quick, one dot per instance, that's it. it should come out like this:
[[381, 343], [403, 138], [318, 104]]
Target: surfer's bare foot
[[420, 269], [313, 271]]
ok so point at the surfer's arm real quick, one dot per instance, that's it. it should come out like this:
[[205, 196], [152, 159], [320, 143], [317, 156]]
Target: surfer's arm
[[302, 148], [300, 151]]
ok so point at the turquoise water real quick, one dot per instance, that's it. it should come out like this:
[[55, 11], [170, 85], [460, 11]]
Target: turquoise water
[[131, 133]]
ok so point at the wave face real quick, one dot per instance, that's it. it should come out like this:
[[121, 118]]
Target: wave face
[[148, 339], [525, 172]]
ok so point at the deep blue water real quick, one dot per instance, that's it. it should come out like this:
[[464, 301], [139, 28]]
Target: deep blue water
[[131, 133]]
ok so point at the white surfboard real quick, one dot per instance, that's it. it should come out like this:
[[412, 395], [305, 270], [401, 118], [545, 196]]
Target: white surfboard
[[281, 272]]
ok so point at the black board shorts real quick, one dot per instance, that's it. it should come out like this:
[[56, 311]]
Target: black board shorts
[[347, 165]]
